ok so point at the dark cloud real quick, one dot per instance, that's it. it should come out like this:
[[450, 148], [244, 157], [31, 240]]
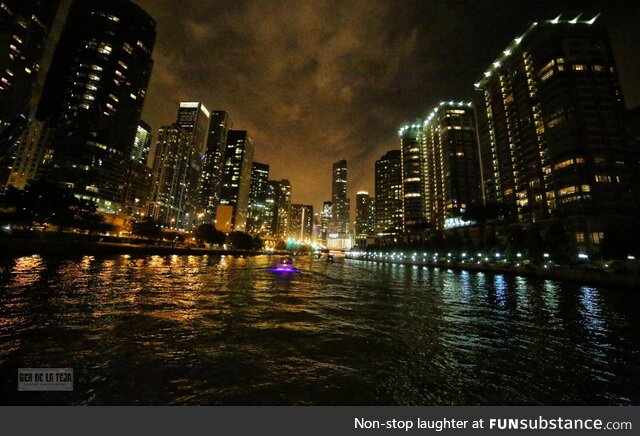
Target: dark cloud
[[318, 81]]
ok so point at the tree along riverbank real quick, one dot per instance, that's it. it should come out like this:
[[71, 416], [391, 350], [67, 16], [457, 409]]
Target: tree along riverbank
[[10, 248]]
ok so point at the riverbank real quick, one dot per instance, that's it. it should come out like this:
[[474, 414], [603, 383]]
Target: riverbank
[[77, 247], [594, 278]]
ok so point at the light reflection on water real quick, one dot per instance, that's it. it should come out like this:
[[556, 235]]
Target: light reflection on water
[[228, 330]]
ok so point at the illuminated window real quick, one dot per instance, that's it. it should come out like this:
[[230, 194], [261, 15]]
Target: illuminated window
[[603, 179], [579, 67], [597, 237], [580, 238], [568, 162], [104, 49], [568, 190], [549, 65], [554, 122], [598, 68]]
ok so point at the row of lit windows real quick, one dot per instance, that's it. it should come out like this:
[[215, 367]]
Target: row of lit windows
[[568, 162], [573, 190], [596, 237]]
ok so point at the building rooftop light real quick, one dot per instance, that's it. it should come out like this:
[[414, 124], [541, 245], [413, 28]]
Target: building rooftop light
[[593, 20], [509, 50]]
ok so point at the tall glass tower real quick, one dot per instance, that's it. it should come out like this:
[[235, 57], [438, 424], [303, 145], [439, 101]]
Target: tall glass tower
[[93, 97]]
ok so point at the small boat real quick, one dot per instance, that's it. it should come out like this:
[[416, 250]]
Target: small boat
[[330, 258], [285, 264]]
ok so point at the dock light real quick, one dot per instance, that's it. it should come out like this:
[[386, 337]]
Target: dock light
[[448, 254], [583, 256], [519, 255], [546, 255], [486, 259], [498, 255], [479, 254], [464, 255], [631, 258]]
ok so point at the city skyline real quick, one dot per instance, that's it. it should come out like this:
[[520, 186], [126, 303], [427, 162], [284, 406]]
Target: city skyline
[[477, 166], [375, 105]]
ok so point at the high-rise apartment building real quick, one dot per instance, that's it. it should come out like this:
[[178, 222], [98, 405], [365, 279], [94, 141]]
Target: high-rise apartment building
[[236, 180], [388, 194], [365, 216], [136, 190], [552, 132], [451, 166], [193, 117], [281, 190], [211, 181], [301, 227], [260, 212], [24, 29], [325, 220], [93, 97], [412, 177], [142, 143], [30, 154], [164, 202], [340, 202]]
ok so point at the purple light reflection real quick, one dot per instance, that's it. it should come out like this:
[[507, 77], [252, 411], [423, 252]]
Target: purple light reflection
[[284, 269]]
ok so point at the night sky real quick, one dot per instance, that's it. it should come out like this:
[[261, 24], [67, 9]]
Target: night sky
[[317, 81]]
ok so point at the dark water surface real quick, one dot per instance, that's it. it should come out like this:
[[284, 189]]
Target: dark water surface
[[211, 330]]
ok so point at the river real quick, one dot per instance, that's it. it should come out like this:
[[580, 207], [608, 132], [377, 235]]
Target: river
[[228, 330]]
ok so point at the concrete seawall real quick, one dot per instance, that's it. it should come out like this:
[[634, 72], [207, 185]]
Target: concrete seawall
[[595, 278]]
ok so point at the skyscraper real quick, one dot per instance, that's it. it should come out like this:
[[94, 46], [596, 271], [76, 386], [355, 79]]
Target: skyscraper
[[365, 216], [325, 220], [30, 154], [24, 28], [340, 202], [301, 228], [236, 180], [282, 207], [552, 129], [93, 97], [211, 182], [388, 195], [412, 177], [164, 201], [136, 190], [260, 215], [142, 143], [451, 164], [193, 117]]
